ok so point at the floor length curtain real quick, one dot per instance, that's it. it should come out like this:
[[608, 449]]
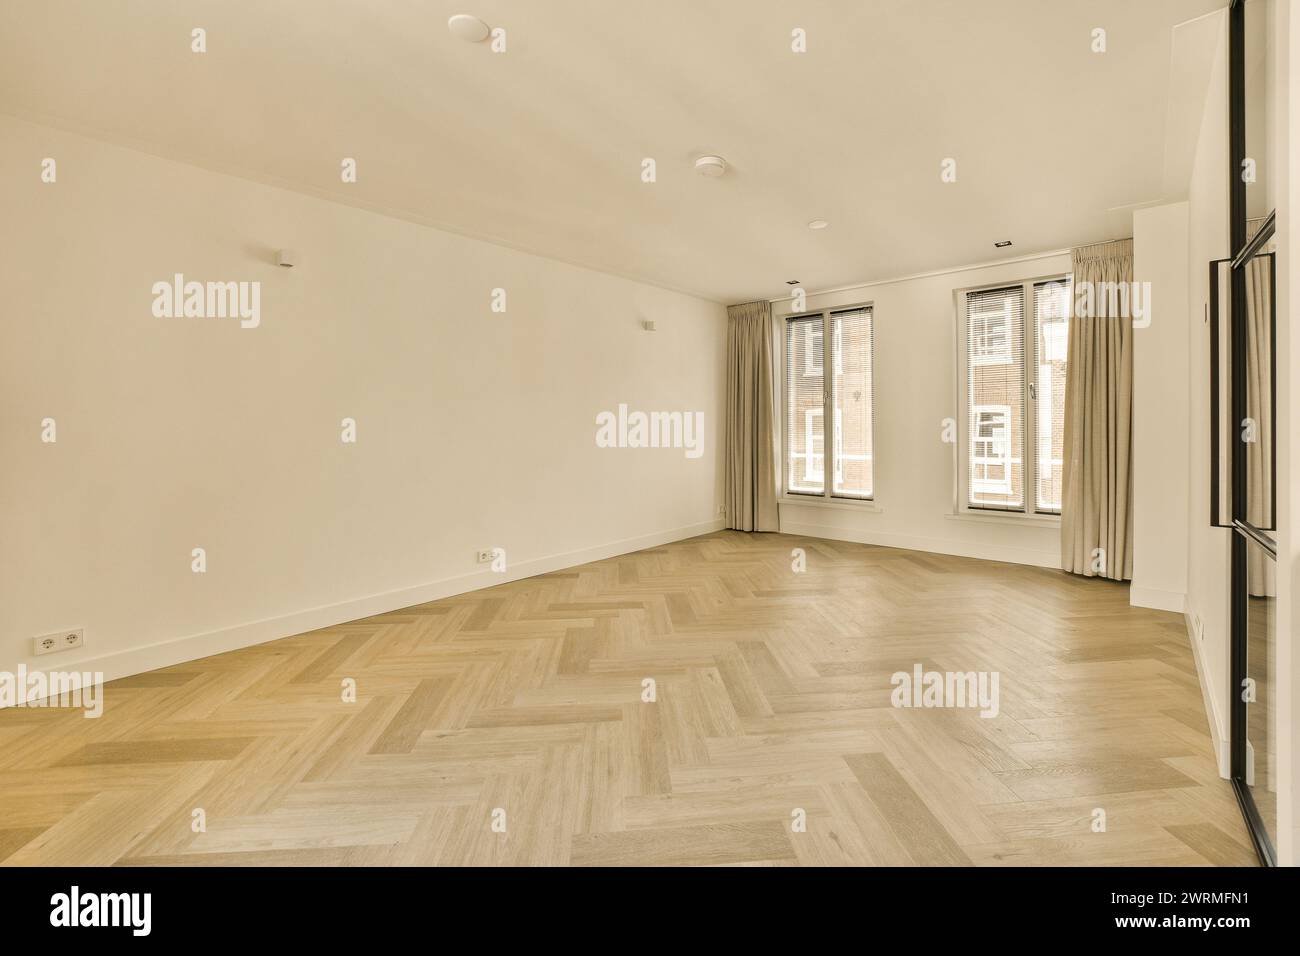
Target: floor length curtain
[[1097, 487], [750, 445]]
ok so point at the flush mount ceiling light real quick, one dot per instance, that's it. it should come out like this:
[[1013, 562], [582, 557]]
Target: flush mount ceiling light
[[818, 224], [468, 28], [711, 166]]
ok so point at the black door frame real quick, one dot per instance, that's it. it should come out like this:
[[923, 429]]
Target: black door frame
[[1243, 533]]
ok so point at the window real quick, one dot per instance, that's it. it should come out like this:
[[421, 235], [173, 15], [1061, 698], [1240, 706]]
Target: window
[[1051, 337], [990, 332], [1014, 382], [812, 350], [812, 438], [844, 400], [991, 452]]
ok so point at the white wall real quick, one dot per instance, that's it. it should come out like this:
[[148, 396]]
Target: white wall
[[1208, 577], [1160, 374], [914, 364], [475, 429]]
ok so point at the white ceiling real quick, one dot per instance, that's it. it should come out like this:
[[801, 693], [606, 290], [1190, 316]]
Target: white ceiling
[[540, 147]]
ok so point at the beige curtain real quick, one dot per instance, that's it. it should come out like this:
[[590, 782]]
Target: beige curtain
[[1097, 499], [749, 492]]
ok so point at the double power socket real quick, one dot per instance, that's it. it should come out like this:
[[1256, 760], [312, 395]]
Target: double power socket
[[60, 641]]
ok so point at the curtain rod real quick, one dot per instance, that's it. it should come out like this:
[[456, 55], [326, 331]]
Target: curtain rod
[[928, 275], [1029, 257]]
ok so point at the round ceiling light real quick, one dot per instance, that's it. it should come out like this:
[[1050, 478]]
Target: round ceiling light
[[711, 166], [818, 224], [468, 28]]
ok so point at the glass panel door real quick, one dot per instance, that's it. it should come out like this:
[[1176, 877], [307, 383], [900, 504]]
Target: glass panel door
[[1260, 770], [1251, 426]]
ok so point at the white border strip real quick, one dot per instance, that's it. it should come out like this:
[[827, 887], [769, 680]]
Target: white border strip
[[138, 660], [1218, 732], [1156, 599], [907, 542]]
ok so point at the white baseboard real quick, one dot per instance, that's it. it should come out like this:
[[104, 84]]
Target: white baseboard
[[907, 542], [138, 660], [1156, 599], [1210, 699]]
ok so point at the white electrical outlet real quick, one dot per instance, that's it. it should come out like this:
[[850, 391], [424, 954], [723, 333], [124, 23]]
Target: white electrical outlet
[[722, 510], [485, 556], [59, 641]]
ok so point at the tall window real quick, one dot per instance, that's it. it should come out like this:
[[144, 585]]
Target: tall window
[[1014, 378], [835, 408], [1052, 332]]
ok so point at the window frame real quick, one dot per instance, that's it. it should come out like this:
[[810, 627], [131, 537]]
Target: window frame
[[1029, 511], [836, 363]]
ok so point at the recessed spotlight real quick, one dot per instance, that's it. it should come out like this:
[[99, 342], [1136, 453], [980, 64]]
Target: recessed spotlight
[[818, 224], [468, 28], [711, 166], [1002, 244], [791, 281]]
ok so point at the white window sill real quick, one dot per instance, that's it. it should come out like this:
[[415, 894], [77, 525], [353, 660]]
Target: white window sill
[[1009, 518], [818, 501]]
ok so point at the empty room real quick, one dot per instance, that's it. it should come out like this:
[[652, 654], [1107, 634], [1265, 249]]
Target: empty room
[[582, 434]]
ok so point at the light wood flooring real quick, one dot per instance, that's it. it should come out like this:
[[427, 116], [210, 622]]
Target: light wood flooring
[[772, 696]]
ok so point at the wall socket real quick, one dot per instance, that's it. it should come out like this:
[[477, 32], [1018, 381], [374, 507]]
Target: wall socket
[[485, 556], [59, 641]]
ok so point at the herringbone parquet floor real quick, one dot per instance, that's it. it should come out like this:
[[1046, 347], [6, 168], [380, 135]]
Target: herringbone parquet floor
[[522, 704]]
